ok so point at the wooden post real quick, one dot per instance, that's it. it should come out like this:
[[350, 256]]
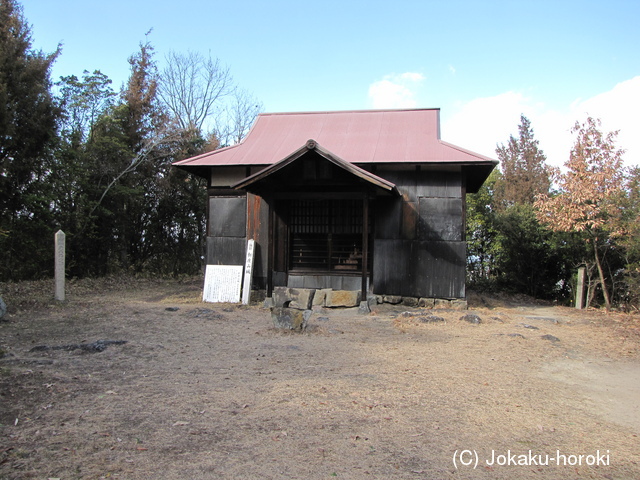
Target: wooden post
[[365, 246], [580, 289], [271, 249], [248, 271], [59, 265]]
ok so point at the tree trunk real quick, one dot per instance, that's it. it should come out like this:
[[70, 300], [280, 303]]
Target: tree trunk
[[605, 292]]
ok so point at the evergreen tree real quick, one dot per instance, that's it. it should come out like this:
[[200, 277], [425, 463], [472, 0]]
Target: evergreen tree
[[524, 171], [630, 240], [508, 247], [83, 101], [533, 259], [28, 117], [98, 164], [79, 173], [482, 241]]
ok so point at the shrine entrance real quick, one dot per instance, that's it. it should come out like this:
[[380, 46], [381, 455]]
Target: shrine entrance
[[320, 220]]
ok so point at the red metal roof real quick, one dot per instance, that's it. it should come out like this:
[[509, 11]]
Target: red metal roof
[[360, 137]]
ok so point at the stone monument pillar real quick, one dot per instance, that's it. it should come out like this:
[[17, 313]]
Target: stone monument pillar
[[580, 289], [60, 265]]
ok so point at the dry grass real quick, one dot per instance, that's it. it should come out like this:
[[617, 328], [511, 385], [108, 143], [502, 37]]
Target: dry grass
[[213, 391]]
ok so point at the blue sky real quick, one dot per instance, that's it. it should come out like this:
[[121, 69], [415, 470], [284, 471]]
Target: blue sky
[[483, 63]]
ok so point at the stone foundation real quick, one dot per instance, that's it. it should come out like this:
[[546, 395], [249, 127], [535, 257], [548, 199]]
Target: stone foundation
[[291, 308], [308, 298]]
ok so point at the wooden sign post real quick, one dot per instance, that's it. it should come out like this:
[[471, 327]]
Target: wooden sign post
[[59, 265], [248, 271]]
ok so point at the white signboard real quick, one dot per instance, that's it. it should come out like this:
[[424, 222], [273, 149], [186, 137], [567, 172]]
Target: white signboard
[[248, 269], [222, 283]]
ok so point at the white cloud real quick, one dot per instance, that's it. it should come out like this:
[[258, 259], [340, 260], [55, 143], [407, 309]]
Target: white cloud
[[618, 109], [395, 91], [411, 76], [481, 124]]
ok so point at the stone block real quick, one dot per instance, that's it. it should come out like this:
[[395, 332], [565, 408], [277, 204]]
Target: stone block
[[290, 318], [459, 304], [342, 298], [426, 302], [320, 297], [3, 308], [441, 303], [300, 298], [280, 297], [392, 299], [409, 301], [364, 309], [372, 301]]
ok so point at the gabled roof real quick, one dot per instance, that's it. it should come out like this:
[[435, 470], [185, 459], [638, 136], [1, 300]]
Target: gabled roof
[[312, 145], [358, 137], [366, 136]]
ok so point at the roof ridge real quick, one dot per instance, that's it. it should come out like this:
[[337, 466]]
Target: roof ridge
[[375, 110]]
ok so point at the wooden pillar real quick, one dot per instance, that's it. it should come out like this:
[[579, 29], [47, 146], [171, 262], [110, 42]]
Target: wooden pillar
[[365, 245], [271, 248]]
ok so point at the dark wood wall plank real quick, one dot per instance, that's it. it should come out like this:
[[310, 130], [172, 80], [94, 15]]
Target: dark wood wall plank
[[441, 219], [228, 217], [226, 250]]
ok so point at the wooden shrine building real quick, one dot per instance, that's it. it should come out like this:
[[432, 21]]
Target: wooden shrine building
[[354, 200]]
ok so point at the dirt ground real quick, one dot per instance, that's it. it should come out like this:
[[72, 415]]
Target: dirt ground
[[213, 391]]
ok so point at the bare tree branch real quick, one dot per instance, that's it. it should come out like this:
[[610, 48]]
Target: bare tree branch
[[191, 86], [235, 121]]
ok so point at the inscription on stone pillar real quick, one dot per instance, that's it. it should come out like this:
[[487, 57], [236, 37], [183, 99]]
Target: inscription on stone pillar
[[580, 288], [248, 271], [59, 265]]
